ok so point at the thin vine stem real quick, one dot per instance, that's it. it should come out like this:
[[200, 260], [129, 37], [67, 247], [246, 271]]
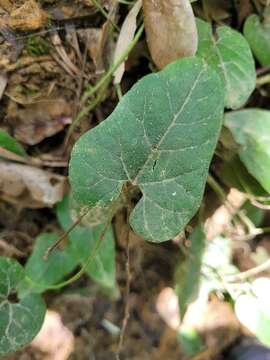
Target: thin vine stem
[[90, 258], [63, 237], [128, 275]]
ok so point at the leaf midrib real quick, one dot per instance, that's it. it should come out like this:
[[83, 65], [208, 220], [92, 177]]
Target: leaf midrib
[[156, 150]]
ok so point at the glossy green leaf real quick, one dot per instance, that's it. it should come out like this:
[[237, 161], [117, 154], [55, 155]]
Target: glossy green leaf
[[251, 130], [257, 34], [228, 52], [20, 320], [83, 239], [188, 274], [9, 143], [161, 138], [44, 273]]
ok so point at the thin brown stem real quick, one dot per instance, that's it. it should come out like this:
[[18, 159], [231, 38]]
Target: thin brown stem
[[128, 276], [64, 236]]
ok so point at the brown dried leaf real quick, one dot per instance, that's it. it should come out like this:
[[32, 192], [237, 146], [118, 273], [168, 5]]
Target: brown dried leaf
[[91, 37], [29, 186], [6, 5], [27, 17], [38, 121], [170, 30], [125, 37], [64, 59], [104, 52]]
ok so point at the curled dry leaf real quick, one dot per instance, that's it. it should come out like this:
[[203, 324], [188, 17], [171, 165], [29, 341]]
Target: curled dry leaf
[[29, 186], [97, 45], [125, 37], [38, 121], [91, 38], [170, 30], [27, 17]]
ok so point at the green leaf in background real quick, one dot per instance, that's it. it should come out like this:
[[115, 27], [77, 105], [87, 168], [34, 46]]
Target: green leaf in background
[[254, 213], [20, 320], [83, 239], [216, 264], [161, 138], [9, 143], [200, 273], [188, 274], [253, 310], [229, 54], [44, 273], [251, 130], [234, 174], [257, 34]]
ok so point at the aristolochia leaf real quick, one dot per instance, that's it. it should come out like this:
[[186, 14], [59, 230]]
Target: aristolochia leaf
[[251, 130], [161, 137], [20, 320], [229, 53], [46, 272], [257, 34], [82, 241]]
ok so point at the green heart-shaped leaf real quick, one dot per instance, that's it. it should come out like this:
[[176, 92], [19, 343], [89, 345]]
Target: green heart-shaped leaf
[[230, 55], [20, 320], [161, 138]]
